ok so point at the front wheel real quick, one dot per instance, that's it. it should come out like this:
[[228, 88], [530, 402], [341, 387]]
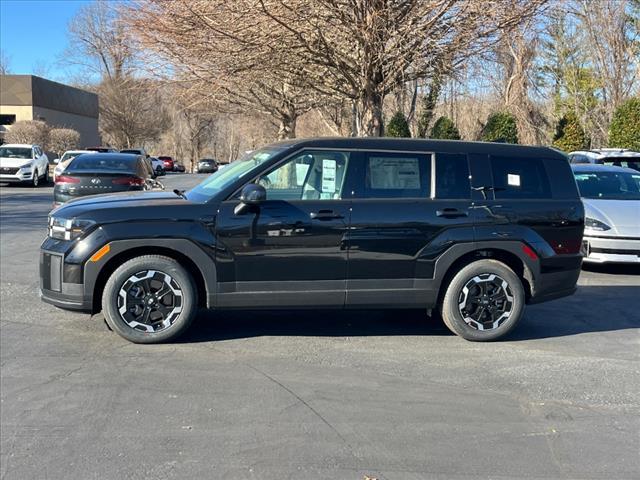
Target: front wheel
[[483, 301], [150, 299], [35, 181]]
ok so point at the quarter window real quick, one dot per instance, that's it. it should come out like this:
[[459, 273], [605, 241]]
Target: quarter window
[[519, 178], [399, 175], [452, 176], [312, 175]]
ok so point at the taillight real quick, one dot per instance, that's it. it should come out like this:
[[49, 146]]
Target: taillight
[[131, 181], [566, 247], [67, 179]]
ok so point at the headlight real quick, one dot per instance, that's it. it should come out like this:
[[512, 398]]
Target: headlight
[[68, 229], [593, 224]]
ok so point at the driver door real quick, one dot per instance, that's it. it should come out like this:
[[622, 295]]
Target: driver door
[[289, 251]]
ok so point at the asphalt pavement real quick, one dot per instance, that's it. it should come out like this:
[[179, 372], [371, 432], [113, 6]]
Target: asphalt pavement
[[313, 394]]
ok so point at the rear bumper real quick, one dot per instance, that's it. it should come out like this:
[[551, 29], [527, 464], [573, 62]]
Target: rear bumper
[[557, 277], [611, 250]]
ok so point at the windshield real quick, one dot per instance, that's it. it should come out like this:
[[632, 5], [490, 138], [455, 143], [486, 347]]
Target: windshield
[[609, 185], [15, 152], [223, 178], [69, 156], [627, 162]]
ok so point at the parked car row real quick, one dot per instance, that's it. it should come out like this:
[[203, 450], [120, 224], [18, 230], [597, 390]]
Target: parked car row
[[23, 163]]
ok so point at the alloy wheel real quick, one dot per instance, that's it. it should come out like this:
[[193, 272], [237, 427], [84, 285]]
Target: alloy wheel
[[486, 301], [150, 301]]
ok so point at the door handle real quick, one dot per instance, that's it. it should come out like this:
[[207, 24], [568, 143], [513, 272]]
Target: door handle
[[451, 213], [325, 215]]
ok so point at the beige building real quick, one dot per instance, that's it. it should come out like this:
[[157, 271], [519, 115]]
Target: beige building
[[27, 97]]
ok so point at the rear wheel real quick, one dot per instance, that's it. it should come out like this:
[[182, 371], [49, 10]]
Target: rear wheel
[[150, 299], [483, 301]]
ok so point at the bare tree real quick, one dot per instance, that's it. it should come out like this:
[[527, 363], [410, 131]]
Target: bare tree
[[5, 63], [63, 139], [29, 131], [613, 41]]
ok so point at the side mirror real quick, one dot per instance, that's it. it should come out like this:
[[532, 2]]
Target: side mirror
[[251, 195], [56, 160]]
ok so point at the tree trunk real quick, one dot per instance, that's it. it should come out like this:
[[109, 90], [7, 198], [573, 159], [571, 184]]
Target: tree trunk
[[370, 113], [288, 121]]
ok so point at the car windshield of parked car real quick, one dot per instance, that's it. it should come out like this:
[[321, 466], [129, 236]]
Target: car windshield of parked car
[[69, 156], [15, 152], [626, 162], [94, 163], [609, 185], [220, 180]]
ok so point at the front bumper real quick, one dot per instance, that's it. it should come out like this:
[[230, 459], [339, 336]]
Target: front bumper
[[611, 249], [16, 178], [53, 287]]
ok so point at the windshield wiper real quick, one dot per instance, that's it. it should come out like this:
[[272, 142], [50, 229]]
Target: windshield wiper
[[180, 193]]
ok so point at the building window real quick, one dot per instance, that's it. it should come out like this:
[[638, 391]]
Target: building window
[[7, 119]]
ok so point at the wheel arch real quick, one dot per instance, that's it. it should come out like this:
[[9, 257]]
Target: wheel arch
[[520, 267], [123, 251]]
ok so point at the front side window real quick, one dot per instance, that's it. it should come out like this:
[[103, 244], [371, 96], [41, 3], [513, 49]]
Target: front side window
[[397, 175], [312, 175], [524, 178], [452, 176]]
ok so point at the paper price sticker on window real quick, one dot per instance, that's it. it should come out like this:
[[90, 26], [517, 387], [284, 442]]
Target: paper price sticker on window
[[513, 179], [328, 176]]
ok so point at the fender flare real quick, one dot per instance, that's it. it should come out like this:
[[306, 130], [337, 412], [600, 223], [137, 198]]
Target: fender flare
[[184, 247]]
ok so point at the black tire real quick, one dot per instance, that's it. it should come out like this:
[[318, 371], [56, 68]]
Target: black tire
[[46, 179], [489, 315], [35, 181], [121, 291]]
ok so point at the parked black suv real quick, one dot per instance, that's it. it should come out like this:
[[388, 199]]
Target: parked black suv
[[475, 230]]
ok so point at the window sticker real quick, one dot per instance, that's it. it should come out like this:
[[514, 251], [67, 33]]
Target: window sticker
[[301, 173], [513, 179], [329, 176]]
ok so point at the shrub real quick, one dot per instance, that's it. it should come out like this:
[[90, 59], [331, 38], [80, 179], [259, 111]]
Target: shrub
[[63, 139], [569, 134], [445, 129], [624, 131], [500, 127], [398, 126], [29, 131]]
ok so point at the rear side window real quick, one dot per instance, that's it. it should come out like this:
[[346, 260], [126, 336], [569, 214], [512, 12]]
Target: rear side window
[[515, 177], [401, 175], [452, 176]]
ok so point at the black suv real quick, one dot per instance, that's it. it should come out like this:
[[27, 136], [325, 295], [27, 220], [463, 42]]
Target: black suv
[[475, 230]]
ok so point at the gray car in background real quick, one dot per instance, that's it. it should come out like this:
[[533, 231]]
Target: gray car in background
[[611, 197]]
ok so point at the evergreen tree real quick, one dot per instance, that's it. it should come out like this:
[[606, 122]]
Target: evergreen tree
[[428, 106], [624, 131], [569, 134], [500, 127], [398, 126], [445, 129]]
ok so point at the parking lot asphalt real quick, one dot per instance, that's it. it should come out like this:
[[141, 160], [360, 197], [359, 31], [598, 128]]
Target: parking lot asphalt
[[313, 394]]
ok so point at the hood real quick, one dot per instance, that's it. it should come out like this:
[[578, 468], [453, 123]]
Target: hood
[[623, 216], [127, 206], [13, 162]]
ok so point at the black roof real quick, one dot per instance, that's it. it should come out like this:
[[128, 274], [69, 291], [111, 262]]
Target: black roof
[[416, 144]]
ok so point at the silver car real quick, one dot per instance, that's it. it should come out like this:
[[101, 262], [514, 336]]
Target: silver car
[[611, 197]]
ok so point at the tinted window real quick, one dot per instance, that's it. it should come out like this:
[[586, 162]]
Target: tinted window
[[401, 175], [452, 176], [519, 177], [15, 152], [625, 162], [99, 163], [312, 175]]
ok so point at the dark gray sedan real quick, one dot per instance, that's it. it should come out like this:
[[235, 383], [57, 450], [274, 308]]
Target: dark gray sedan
[[103, 173]]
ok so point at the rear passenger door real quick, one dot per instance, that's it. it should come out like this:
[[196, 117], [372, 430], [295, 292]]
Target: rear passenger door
[[407, 208]]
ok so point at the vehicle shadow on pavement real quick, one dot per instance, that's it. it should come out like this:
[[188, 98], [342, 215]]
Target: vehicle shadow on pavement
[[594, 308], [591, 309], [228, 325]]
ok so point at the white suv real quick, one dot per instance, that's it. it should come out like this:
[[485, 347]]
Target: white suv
[[23, 163], [619, 157]]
